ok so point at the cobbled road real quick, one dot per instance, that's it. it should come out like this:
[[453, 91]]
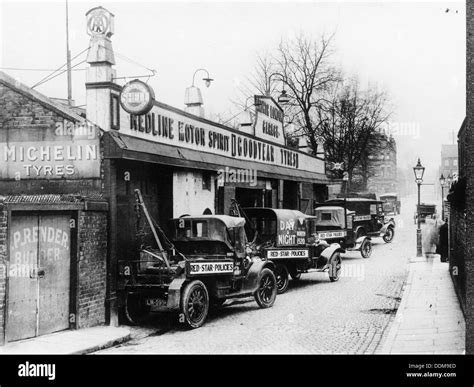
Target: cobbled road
[[314, 316]]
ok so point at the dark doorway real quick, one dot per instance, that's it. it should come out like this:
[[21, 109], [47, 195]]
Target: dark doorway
[[249, 197], [290, 195], [156, 185]]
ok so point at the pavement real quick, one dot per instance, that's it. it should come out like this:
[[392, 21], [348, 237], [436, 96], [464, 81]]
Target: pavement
[[429, 319], [70, 342]]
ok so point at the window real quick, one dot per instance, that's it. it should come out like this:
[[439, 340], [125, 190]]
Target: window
[[206, 181], [200, 229], [446, 162], [455, 162], [326, 216], [184, 229]]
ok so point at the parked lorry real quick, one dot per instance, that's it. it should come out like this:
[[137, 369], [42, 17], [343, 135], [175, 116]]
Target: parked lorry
[[391, 203], [288, 238], [424, 211], [336, 225], [369, 219], [206, 261]]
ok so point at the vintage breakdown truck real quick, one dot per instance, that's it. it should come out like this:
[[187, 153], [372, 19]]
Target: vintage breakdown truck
[[425, 211], [288, 239], [336, 225], [391, 203], [369, 219], [207, 260]]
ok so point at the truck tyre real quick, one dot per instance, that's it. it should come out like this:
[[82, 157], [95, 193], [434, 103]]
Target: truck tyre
[[267, 288], [282, 278], [366, 249], [194, 304], [388, 237], [360, 233], [295, 275], [335, 267], [135, 311]]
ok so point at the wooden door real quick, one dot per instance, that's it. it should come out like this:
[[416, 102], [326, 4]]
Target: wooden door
[[53, 274], [22, 282], [39, 275]]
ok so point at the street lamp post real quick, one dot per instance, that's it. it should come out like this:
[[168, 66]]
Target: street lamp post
[[442, 182], [193, 97], [419, 170], [283, 98]]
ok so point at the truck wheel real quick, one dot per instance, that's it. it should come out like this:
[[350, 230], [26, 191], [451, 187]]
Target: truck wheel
[[335, 267], [294, 273], [360, 233], [135, 311], [366, 249], [295, 276], [195, 304], [282, 278], [267, 289], [388, 237]]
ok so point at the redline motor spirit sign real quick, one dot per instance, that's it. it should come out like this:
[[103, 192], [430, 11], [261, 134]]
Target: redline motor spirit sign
[[168, 126]]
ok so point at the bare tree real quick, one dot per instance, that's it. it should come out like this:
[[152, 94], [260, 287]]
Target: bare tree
[[303, 65], [348, 120], [259, 82]]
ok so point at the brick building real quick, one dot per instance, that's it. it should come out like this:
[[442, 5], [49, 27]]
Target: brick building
[[53, 220], [67, 186], [461, 198], [449, 160], [377, 172]]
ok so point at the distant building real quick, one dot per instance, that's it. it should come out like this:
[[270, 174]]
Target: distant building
[[377, 172], [449, 160]]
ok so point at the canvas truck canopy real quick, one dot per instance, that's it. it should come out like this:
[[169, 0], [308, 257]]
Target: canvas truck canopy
[[281, 226], [389, 196], [361, 206], [331, 216], [205, 227]]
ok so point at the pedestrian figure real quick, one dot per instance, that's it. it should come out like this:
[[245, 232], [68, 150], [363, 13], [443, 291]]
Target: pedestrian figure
[[442, 247], [430, 236]]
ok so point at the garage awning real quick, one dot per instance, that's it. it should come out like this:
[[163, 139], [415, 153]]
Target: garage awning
[[119, 146]]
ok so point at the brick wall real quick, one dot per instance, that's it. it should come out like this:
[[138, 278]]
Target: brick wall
[[26, 115], [3, 269], [457, 256], [469, 173], [92, 274]]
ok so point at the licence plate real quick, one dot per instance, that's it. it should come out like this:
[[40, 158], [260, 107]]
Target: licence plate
[[335, 234], [155, 302]]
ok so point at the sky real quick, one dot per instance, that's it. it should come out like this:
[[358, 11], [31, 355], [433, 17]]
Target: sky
[[414, 50]]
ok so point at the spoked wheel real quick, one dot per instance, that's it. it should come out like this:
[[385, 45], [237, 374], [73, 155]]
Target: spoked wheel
[[366, 249], [388, 237], [195, 304], [335, 267], [135, 310], [267, 289], [281, 274]]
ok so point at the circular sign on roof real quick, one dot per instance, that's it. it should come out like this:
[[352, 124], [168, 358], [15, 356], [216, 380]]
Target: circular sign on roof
[[100, 22], [137, 97]]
